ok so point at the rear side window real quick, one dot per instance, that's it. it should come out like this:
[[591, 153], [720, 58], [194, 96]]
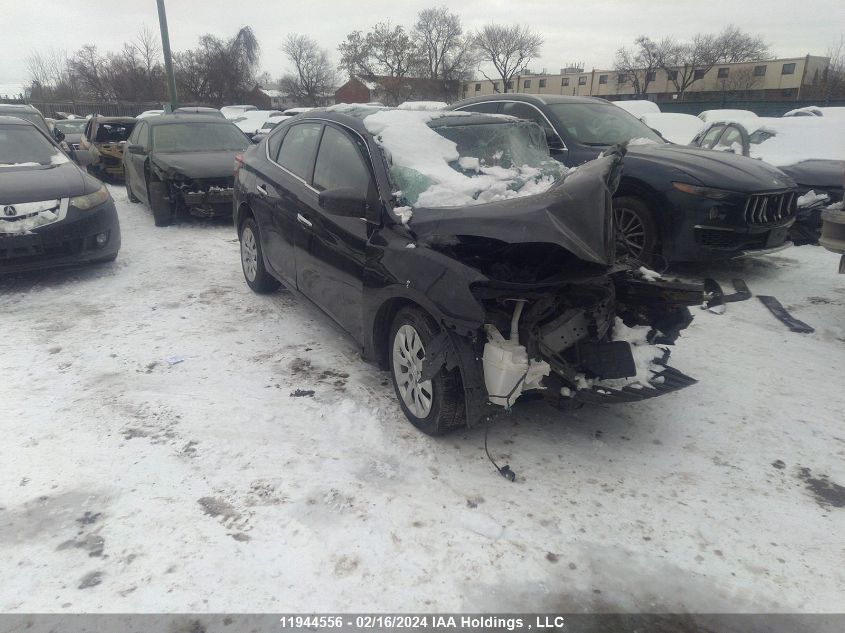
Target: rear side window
[[340, 164], [274, 143], [527, 112], [298, 149]]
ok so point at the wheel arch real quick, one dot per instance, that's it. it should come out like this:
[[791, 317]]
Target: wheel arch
[[635, 188]]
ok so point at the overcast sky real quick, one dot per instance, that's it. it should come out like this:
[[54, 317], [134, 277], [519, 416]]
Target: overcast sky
[[587, 32]]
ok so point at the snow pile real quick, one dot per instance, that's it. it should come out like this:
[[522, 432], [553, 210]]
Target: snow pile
[[25, 225], [648, 274], [426, 165], [638, 107], [783, 142], [811, 197], [673, 126], [838, 112]]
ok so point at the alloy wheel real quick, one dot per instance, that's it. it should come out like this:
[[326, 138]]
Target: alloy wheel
[[408, 356], [630, 233], [249, 253]]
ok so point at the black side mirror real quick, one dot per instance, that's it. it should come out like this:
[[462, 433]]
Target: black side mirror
[[58, 135], [343, 201], [82, 157], [136, 149]]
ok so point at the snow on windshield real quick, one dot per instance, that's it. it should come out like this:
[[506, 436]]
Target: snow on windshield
[[462, 164]]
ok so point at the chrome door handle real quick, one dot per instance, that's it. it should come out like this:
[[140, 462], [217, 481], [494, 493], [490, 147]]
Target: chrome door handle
[[303, 220], [262, 190]]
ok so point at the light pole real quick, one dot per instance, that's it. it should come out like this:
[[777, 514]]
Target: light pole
[[165, 49]]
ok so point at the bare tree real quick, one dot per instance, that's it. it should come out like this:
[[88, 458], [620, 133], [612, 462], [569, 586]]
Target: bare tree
[[735, 45], [385, 55], [638, 64], [508, 48], [687, 62], [314, 76], [445, 53]]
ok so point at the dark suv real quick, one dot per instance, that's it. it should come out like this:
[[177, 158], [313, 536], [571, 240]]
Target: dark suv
[[680, 202], [460, 256]]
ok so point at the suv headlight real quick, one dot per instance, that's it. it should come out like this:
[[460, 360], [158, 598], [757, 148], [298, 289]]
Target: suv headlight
[[704, 192], [90, 200]]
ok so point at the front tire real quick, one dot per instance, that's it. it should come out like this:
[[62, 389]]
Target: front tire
[[434, 406], [636, 231], [160, 203], [252, 259]]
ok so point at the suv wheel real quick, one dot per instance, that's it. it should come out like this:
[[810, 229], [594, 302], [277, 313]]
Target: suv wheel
[[252, 260], [636, 232], [433, 406], [160, 204]]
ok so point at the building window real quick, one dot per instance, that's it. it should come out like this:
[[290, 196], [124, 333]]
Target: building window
[[564, 81], [526, 83], [582, 80], [698, 74], [496, 86], [759, 71], [510, 85], [602, 79], [650, 75], [723, 73], [788, 69], [621, 79], [477, 87], [542, 83], [672, 75]]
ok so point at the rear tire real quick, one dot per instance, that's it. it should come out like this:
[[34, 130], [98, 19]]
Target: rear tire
[[160, 204], [129, 194], [252, 259], [636, 231], [437, 406]]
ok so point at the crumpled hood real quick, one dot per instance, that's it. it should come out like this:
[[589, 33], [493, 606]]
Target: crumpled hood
[[575, 214], [825, 174], [723, 170], [31, 184], [196, 165]]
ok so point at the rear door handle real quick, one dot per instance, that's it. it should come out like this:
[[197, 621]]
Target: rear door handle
[[262, 190], [303, 220]]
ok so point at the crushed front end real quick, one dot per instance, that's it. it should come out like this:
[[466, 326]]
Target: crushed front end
[[204, 198]]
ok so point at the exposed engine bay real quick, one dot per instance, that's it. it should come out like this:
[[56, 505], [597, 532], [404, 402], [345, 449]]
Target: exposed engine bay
[[202, 198]]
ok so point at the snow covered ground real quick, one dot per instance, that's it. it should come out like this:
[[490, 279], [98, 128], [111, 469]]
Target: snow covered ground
[[130, 484]]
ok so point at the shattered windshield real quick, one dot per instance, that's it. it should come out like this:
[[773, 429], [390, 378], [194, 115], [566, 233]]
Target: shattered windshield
[[600, 124], [198, 137], [492, 161]]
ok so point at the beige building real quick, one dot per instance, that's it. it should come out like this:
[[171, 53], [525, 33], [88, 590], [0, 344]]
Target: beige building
[[777, 79]]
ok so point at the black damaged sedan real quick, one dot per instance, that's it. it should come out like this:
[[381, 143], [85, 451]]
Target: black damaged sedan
[[51, 212], [183, 162], [461, 257]]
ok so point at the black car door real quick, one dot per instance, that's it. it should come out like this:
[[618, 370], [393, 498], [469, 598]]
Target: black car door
[[330, 254], [135, 176], [282, 192]]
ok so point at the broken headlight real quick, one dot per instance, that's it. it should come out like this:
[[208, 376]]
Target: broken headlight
[[90, 200]]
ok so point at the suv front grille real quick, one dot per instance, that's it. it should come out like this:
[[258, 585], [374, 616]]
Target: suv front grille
[[765, 208]]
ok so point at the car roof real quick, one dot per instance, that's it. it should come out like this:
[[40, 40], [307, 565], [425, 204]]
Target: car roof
[[534, 99], [19, 106], [353, 116], [10, 119], [196, 109], [114, 119], [185, 117]]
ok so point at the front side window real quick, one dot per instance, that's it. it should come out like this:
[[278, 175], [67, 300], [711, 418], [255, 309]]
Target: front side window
[[525, 111], [340, 164], [298, 149], [711, 136], [730, 141], [600, 124]]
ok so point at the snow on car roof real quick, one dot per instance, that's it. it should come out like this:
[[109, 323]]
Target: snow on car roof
[[638, 107], [674, 126], [712, 115], [785, 141]]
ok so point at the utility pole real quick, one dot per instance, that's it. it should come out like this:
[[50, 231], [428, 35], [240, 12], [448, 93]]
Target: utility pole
[[165, 49]]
